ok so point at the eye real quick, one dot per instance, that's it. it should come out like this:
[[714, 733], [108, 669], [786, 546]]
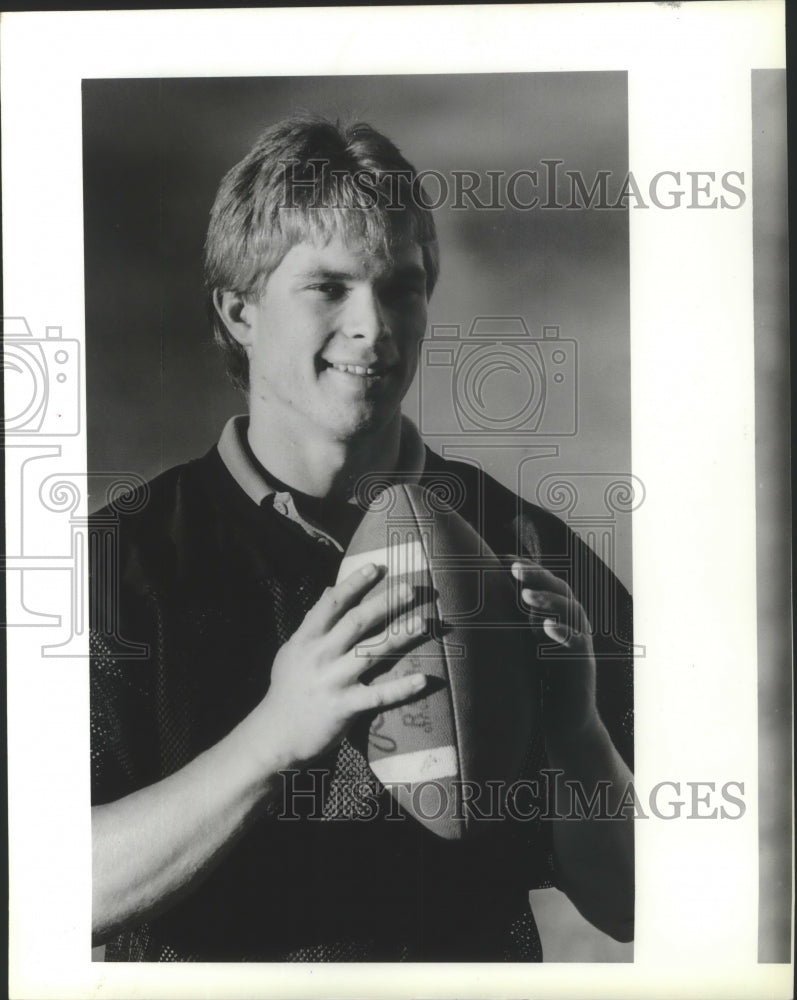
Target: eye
[[331, 290], [403, 291]]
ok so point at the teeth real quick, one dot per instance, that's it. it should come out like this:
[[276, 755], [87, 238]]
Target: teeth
[[353, 369]]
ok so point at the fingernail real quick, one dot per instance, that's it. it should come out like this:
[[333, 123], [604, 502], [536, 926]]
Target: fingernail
[[418, 681], [405, 592], [369, 570], [528, 596]]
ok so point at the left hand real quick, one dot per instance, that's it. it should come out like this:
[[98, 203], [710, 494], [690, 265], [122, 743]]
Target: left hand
[[569, 691]]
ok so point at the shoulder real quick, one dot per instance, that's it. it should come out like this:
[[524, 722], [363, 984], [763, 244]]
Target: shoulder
[[143, 505], [145, 529], [513, 527], [507, 522]]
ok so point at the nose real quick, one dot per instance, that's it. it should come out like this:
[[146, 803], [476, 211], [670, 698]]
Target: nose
[[365, 316]]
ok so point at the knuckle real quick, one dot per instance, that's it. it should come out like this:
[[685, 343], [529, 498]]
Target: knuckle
[[351, 584], [328, 597], [377, 696], [356, 620]]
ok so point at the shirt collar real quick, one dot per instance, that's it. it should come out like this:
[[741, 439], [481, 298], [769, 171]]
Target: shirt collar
[[234, 452]]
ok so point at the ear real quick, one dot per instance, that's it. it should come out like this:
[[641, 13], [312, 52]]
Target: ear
[[231, 307]]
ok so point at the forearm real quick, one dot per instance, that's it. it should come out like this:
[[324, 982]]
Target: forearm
[[595, 855], [155, 844]]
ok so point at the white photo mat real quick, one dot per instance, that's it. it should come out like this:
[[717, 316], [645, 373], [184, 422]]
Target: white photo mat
[[689, 91]]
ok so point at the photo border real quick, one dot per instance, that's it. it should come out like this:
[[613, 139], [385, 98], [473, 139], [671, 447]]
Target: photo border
[[697, 929]]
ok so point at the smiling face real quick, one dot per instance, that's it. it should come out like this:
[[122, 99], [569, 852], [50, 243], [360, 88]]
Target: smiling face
[[332, 342]]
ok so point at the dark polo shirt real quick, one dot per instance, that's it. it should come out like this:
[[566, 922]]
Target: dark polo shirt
[[197, 581]]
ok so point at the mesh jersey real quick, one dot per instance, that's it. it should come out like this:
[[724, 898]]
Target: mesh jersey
[[192, 597]]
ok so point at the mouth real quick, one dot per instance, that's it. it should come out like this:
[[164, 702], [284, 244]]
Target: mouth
[[372, 371]]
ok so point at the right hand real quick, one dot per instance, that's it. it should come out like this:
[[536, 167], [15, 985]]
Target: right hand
[[315, 693]]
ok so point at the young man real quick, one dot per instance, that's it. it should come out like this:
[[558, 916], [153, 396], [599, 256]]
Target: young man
[[320, 259]]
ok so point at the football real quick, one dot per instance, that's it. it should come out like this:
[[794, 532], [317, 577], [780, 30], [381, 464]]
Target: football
[[449, 755]]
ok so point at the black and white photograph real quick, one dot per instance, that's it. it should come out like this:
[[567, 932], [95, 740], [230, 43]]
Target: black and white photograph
[[508, 692], [376, 436]]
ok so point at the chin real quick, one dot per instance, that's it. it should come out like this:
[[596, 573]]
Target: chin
[[353, 426]]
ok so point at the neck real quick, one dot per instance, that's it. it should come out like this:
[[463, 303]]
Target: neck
[[323, 466]]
